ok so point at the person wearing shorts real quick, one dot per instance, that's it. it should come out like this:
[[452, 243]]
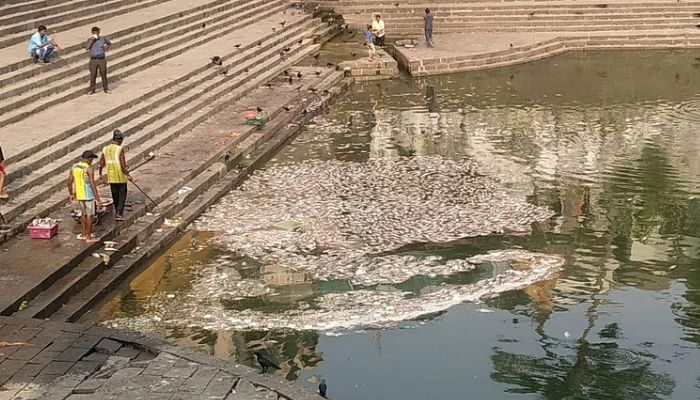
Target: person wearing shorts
[[83, 189], [369, 41]]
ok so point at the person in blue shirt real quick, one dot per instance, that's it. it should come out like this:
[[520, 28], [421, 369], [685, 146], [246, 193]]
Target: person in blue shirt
[[369, 41], [41, 46]]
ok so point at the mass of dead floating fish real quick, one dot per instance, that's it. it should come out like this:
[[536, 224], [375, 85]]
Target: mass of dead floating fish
[[371, 207], [338, 311]]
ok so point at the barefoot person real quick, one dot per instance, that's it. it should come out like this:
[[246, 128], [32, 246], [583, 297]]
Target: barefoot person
[[3, 195], [369, 41], [117, 174], [41, 46], [82, 188]]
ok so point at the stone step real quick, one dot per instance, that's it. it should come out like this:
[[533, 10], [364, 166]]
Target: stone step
[[438, 4], [550, 25], [161, 108], [42, 15], [526, 13], [73, 86], [259, 145], [52, 179], [73, 41], [546, 49], [539, 7], [20, 32], [69, 141], [75, 55], [13, 7], [573, 28], [50, 300]]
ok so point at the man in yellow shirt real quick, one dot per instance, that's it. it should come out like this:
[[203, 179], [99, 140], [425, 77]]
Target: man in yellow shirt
[[82, 188], [117, 173], [378, 29]]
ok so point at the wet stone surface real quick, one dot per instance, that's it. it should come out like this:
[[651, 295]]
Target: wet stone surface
[[31, 369]]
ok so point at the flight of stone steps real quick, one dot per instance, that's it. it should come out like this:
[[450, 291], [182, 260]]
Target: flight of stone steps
[[165, 93], [405, 18], [161, 77]]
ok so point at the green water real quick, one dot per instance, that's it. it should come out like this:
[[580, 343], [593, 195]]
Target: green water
[[608, 141]]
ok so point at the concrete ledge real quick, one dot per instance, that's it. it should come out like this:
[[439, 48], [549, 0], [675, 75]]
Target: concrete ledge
[[470, 52]]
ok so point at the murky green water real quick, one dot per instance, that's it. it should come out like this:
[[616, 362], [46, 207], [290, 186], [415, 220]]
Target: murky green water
[[609, 141]]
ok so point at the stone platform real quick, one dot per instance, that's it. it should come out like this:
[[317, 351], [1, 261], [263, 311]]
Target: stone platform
[[60, 361], [461, 52], [364, 69]]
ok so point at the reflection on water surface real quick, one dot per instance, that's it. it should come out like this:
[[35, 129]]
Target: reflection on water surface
[[608, 141]]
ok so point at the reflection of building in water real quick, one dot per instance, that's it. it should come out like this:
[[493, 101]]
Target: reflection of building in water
[[294, 351]]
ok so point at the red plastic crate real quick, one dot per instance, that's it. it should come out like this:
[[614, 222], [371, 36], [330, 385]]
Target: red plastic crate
[[43, 232]]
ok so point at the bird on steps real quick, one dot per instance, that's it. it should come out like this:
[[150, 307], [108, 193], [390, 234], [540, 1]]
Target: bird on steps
[[258, 109], [291, 80], [532, 14], [286, 73], [285, 108], [265, 362], [322, 387], [204, 25], [227, 157], [353, 54], [238, 46], [511, 45], [216, 60], [318, 73], [260, 43], [316, 56], [282, 23], [300, 41], [299, 75]]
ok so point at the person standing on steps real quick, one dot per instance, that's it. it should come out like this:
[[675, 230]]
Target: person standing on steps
[[428, 27], [117, 174], [378, 28], [82, 188], [97, 46], [369, 41], [41, 46], [3, 194]]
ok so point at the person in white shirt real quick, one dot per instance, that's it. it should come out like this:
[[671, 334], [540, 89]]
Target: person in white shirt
[[378, 29]]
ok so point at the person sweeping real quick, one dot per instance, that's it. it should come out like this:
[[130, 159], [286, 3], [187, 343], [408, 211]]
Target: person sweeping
[[117, 173], [83, 189]]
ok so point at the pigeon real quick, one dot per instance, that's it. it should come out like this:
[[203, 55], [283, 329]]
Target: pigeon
[[330, 65], [511, 45], [238, 46], [274, 30], [531, 14], [299, 75], [204, 25], [258, 109], [265, 362], [317, 55], [312, 90], [245, 70], [268, 85], [286, 73], [291, 80], [322, 387], [260, 43], [227, 157], [300, 41], [282, 23], [285, 108], [216, 60], [287, 49], [353, 54], [318, 73]]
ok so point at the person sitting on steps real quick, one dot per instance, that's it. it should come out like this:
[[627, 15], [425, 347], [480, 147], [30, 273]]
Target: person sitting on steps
[[41, 46], [378, 28]]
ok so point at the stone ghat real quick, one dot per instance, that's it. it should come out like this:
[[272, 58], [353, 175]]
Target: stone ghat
[[405, 18], [478, 51]]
